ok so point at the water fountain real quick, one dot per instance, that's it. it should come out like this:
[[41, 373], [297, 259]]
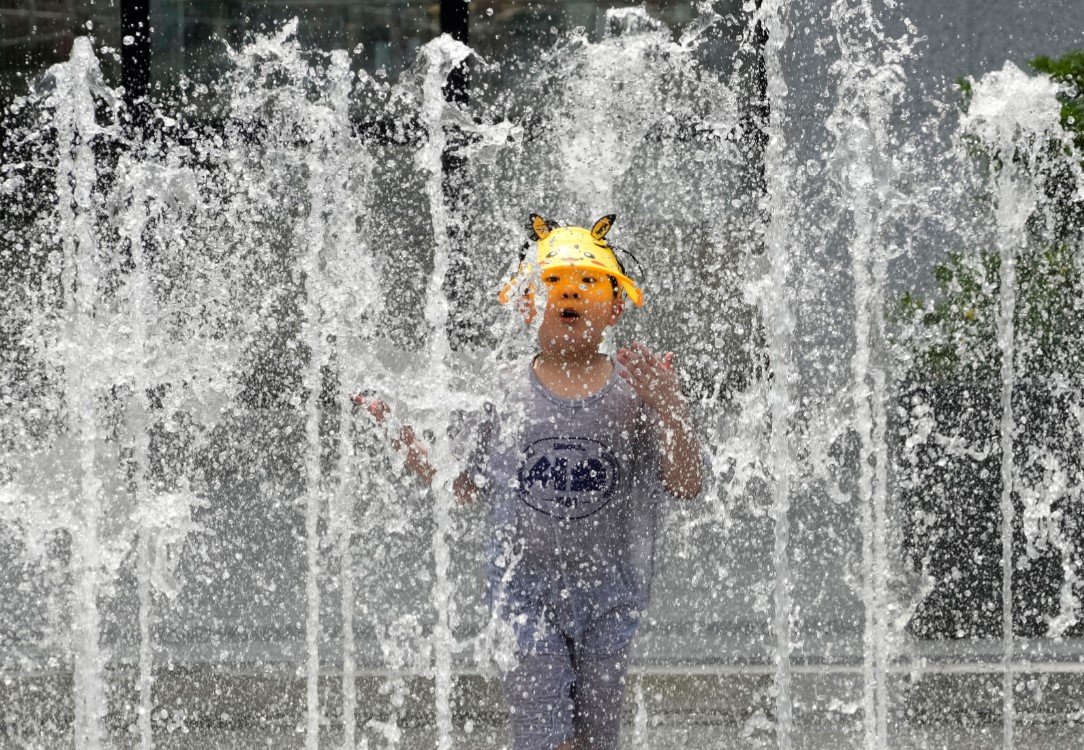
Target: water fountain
[[204, 540], [1015, 117], [778, 317]]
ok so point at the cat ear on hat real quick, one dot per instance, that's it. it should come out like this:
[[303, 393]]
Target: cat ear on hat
[[539, 226], [602, 226]]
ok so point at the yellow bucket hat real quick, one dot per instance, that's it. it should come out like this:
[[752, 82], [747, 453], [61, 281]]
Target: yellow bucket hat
[[573, 247]]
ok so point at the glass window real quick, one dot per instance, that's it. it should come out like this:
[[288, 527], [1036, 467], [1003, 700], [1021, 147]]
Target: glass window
[[36, 33], [188, 36]]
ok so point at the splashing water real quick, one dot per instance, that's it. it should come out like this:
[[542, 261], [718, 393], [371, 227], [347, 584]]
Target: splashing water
[[190, 492]]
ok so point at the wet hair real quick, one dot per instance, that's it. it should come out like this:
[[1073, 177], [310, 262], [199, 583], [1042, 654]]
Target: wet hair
[[621, 266]]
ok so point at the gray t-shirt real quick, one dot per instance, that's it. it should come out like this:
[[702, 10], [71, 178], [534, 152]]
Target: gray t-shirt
[[574, 487]]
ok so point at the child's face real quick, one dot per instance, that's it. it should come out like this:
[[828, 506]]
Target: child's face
[[580, 304]]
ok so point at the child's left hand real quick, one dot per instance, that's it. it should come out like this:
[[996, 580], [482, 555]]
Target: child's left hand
[[654, 380]]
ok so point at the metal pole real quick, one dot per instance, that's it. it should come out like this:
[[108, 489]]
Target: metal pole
[[135, 55], [753, 116], [455, 21], [754, 113]]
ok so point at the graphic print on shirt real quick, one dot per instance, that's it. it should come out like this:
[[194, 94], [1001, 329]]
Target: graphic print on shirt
[[567, 477]]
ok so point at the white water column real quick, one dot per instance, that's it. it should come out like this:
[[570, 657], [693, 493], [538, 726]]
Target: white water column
[[442, 56], [1013, 117], [75, 178], [351, 292], [139, 301], [1009, 238], [316, 339], [336, 271], [778, 320], [861, 162]]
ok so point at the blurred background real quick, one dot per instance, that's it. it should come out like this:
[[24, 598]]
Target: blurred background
[[188, 34]]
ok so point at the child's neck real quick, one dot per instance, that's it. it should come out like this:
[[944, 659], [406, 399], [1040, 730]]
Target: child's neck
[[573, 375]]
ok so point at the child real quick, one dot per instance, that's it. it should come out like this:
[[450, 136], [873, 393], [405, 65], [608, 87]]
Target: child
[[576, 466]]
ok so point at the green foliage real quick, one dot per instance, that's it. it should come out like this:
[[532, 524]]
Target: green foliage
[[966, 88], [953, 334], [1069, 71]]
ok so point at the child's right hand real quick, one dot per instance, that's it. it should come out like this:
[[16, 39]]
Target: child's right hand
[[416, 453]]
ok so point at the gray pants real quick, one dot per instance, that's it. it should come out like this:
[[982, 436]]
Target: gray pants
[[556, 697]]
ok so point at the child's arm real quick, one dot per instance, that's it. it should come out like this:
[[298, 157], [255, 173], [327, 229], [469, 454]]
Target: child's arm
[[655, 381], [417, 454]]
